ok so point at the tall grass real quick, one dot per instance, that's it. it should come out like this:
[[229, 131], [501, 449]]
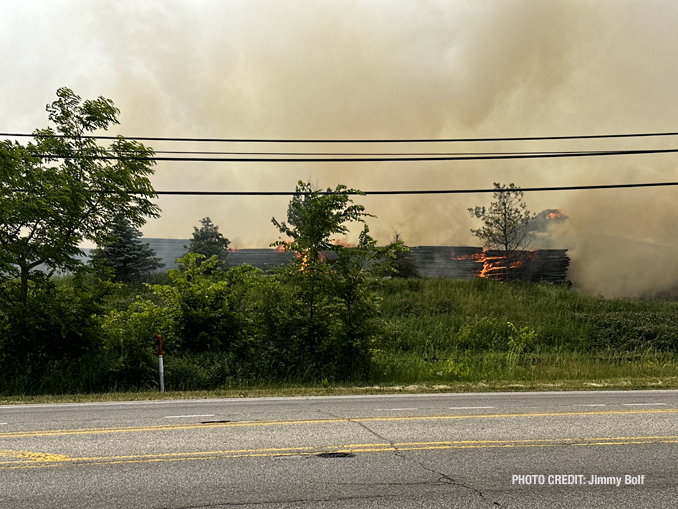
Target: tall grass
[[391, 368], [429, 331], [481, 330]]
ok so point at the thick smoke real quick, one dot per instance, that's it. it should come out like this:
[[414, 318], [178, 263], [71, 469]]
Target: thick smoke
[[365, 69]]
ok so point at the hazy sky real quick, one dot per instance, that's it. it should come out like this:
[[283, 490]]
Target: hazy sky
[[380, 69]]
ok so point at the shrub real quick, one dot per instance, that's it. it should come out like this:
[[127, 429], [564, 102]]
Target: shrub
[[632, 329], [130, 342], [482, 333]]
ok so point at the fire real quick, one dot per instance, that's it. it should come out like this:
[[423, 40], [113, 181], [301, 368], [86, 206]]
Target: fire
[[344, 243], [493, 266], [304, 260], [494, 262], [556, 214], [280, 248], [467, 257]]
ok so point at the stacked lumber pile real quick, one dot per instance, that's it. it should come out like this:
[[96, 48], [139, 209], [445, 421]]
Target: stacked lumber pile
[[447, 261], [460, 262], [259, 258], [451, 262], [550, 265]]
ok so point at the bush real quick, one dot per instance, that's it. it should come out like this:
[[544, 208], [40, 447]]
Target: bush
[[632, 329], [485, 333], [54, 324], [204, 306], [55, 340], [130, 343], [204, 371], [289, 343]]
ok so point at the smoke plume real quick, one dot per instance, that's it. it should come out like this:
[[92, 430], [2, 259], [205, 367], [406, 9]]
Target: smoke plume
[[366, 69]]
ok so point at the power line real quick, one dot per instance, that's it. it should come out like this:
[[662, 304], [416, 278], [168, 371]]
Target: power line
[[426, 191], [484, 157], [385, 154], [400, 192], [410, 140]]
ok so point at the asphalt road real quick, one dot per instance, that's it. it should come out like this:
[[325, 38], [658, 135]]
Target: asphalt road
[[581, 449]]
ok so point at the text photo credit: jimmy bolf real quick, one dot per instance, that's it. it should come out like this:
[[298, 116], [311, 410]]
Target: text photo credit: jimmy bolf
[[567, 479]]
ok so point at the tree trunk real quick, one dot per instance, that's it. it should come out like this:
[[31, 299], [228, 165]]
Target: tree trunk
[[23, 292], [507, 256]]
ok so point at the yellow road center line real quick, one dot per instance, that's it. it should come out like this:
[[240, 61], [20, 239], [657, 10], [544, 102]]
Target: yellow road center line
[[34, 456], [177, 427], [27, 459]]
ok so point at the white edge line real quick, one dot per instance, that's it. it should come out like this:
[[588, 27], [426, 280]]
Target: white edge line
[[239, 401], [643, 404], [468, 407], [182, 416], [395, 409]]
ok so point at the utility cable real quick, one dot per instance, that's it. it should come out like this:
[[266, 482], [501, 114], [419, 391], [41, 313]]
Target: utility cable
[[399, 192], [423, 191], [401, 140], [339, 154], [488, 156]]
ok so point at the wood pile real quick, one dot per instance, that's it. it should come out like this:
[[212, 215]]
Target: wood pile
[[451, 262], [550, 265], [447, 261], [259, 258], [460, 262]]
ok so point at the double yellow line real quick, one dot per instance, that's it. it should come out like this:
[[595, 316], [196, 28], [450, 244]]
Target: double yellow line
[[18, 459], [298, 422], [27, 459]]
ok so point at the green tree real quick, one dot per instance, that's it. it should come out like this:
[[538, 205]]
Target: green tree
[[205, 318], [208, 241], [505, 224], [404, 265], [65, 188], [329, 311], [124, 254], [313, 218]]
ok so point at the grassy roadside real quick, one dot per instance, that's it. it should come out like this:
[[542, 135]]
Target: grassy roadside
[[345, 390], [441, 331], [468, 336]]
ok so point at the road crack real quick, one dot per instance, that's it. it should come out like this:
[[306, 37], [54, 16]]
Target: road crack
[[442, 477]]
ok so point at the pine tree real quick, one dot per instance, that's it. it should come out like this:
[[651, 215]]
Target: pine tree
[[208, 241], [403, 265], [505, 224], [123, 252]]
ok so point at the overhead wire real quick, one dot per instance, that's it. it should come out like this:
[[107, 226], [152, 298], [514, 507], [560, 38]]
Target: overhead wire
[[385, 154], [399, 192], [423, 191], [394, 140], [362, 159], [299, 157]]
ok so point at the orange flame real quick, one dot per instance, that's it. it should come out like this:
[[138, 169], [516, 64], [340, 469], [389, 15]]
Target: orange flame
[[494, 262], [558, 214], [304, 260], [493, 266], [344, 243], [473, 256]]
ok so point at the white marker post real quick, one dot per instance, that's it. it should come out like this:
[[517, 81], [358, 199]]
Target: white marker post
[[158, 340]]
